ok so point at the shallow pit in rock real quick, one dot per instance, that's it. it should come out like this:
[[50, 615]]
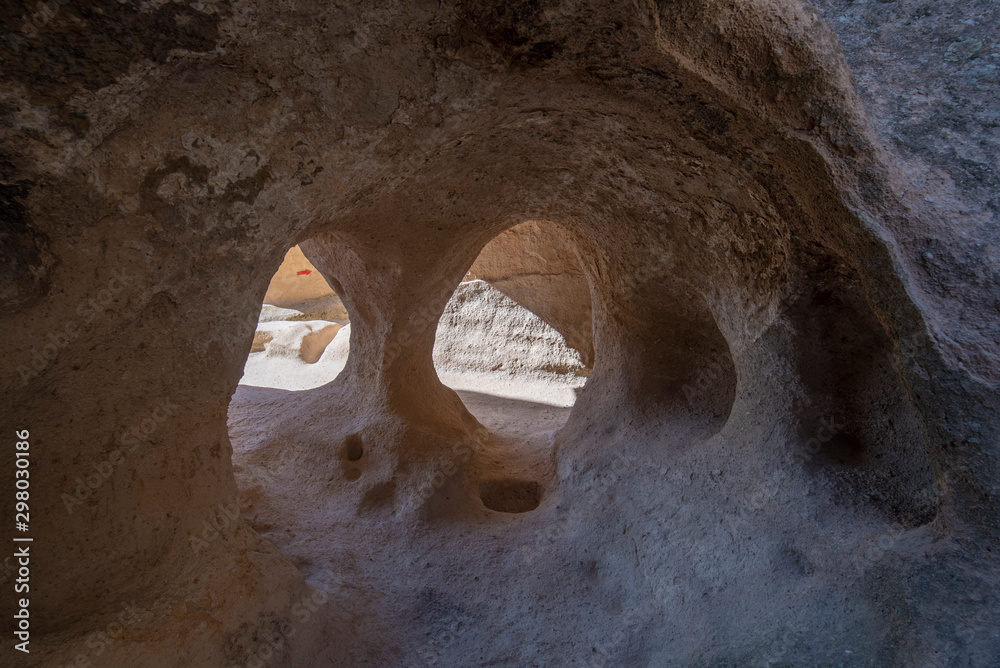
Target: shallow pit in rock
[[510, 496]]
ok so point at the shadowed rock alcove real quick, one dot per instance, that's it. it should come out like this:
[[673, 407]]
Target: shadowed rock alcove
[[633, 334]]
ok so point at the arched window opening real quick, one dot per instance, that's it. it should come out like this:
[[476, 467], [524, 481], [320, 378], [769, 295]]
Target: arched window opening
[[515, 342], [302, 332]]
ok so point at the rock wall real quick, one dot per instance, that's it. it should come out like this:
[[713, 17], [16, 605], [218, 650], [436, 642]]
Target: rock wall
[[794, 345], [536, 265], [483, 331], [295, 281]]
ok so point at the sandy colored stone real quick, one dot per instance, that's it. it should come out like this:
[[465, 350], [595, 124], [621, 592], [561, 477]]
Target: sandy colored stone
[[295, 281], [303, 340], [483, 330], [786, 449], [536, 265]]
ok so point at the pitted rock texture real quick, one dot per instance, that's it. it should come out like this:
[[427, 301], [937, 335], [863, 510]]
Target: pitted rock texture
[[787, 447], [484, 331]]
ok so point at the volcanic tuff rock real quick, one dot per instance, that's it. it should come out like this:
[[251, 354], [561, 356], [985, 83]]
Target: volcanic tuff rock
[[793, 201]]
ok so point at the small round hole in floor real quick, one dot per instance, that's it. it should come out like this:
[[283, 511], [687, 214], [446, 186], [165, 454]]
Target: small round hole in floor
[[352, 473], [510, 496], [353, 449]]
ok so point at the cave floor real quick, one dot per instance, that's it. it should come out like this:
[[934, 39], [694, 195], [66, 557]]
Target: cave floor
[[431, 587], [616, 565]]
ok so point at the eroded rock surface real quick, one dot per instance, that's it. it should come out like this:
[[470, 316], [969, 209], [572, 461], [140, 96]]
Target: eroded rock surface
[[536, 265], [786, 451], [483, 331]]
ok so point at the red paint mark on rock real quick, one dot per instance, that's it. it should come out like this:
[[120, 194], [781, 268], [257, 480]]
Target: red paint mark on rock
[[304, 272]]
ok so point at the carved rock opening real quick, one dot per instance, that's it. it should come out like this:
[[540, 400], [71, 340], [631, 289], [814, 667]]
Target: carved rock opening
[[786, 444]]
